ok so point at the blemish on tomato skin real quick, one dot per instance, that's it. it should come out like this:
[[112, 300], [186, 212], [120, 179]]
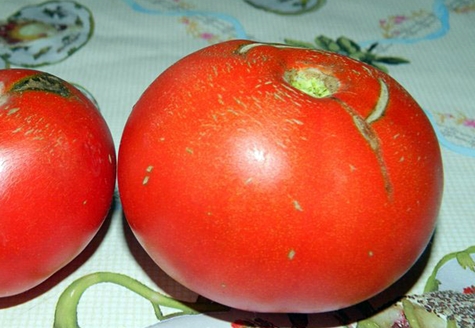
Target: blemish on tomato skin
[[294, 121], [297, 206], [146, 178], [30, 131], [3, 94], [12, 110], [220, 99], [42, 82], [291, 254], [232, 111]]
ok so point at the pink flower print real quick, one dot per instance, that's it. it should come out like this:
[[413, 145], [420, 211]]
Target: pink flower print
[[399, 19], [207, 36], [469, 290], [469, 123]]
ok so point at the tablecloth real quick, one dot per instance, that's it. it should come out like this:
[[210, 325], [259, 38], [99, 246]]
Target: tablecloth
[[115, 48]]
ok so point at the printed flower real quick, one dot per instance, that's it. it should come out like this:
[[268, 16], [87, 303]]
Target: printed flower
[[469, 123], [399, 19], [397, 25], [462, 8], [287, 7], [469, 290], [208, 28], [459, 118], [45, 33]]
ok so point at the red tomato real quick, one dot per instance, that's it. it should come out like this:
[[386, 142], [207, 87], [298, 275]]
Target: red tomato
[[277, 179], [57, 176]]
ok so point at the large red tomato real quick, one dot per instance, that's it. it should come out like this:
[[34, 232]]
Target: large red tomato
[[57, 176], [272, 178]]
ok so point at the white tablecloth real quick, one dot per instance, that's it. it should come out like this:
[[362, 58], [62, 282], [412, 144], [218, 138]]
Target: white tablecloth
[[123, 45]]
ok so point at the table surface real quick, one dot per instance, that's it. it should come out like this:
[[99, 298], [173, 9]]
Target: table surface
[[123, 45]]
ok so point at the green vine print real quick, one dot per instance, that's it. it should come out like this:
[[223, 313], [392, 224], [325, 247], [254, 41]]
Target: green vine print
[[350, 48]]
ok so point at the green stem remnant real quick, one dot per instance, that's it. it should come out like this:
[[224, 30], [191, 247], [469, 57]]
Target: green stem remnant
[[66, 308], [312, 82]]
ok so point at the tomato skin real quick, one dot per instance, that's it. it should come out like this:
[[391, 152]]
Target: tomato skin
[[57, 176], [261, 197]]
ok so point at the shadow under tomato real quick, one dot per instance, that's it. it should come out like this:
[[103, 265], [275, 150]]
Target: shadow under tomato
[[63, 273], [349, 315], [379, 302], [163, 281], [345, 316]]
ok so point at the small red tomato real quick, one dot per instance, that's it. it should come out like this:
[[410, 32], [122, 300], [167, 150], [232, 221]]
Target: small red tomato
[[57, 176], [277, 179]]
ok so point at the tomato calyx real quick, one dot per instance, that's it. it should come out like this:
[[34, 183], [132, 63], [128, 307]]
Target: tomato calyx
[[42, 82], [317, 84], [312, 82]]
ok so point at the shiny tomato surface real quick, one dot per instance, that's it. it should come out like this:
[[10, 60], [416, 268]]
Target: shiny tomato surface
[[57, 176], [277, 179]]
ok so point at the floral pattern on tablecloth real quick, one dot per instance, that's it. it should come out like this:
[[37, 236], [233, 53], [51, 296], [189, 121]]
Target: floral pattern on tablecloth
[[456, 130], [455, 127], [208, 26], [67, 27], [287, 7], [45, 33], [426, 21]]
